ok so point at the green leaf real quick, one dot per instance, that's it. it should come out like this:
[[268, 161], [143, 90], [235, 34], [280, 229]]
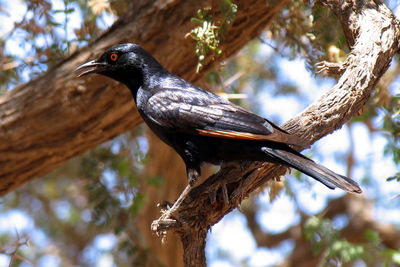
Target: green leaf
[[53, 23], [200, 21], [394, 177], [65, 11], [69, 10], [137, 203], [123, 168], [372, 237], [156, 181]]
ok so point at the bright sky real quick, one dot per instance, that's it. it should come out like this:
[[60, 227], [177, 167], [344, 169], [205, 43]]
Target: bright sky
[[230, 235]]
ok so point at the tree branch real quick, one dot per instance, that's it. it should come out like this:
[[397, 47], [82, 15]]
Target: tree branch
[[372, 32], [57, 116]]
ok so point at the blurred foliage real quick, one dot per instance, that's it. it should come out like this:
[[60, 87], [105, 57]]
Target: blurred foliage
[[95, 194], [98, 195], [391, 124], [337, 251], [45, 34]]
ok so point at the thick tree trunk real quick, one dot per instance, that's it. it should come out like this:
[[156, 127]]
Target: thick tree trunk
[[57, 116], [165, 163]]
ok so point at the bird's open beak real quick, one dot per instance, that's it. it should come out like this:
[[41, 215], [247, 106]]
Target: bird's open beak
[[90, 67]]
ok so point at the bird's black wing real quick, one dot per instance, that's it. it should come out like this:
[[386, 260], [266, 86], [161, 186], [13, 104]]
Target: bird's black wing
[[198, 111]]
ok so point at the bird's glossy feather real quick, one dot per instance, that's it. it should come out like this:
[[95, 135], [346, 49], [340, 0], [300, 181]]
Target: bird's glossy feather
[[202, 126], [211, 116]]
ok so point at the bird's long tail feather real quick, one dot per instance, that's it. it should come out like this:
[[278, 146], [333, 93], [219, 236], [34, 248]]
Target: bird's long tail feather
[[313, 169]]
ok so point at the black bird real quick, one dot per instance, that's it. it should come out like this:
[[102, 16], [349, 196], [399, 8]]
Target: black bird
[[202, 126]]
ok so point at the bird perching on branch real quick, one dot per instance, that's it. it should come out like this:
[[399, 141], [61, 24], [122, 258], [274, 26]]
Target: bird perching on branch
[[202, 126]]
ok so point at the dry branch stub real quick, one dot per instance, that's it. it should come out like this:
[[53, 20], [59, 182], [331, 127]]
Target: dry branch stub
[[372, 32]]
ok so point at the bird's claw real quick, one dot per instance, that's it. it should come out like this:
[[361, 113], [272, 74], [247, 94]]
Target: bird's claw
[[225, 195], [193, 174], [165, 205]]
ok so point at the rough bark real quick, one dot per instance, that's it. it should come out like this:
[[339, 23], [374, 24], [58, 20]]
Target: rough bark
[[191, 241], [372, 33], [57, 116]]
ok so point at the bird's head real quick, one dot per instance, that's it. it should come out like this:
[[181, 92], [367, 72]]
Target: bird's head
[[126, 63]]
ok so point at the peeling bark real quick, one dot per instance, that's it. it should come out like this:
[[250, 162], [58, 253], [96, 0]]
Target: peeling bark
[[372, 33], [57, 116]]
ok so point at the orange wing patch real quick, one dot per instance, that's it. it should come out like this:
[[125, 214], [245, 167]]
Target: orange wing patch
[[277, 136]]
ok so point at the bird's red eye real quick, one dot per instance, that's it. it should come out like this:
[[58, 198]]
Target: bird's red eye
[[113, 57]]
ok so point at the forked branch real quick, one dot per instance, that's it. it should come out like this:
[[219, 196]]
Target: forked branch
[[372, 33]]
